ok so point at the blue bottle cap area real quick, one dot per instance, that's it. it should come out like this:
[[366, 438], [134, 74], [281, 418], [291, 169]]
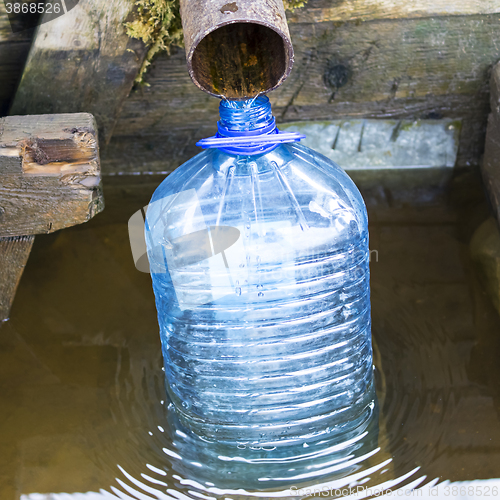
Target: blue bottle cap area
[[248, 128]]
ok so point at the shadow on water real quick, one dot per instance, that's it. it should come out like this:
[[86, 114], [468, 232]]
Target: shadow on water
[[81, 382]]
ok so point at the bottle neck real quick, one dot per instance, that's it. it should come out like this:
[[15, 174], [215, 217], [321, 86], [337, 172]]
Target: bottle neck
[[254, 115], [247, 128]]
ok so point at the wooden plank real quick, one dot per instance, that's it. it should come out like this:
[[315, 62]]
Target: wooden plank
[[438, 57], [164, 151], [418, 68], [365, 10], [49, 173], [491, 162], [82, 61], [14, 253], [391, 60], [495, 91]]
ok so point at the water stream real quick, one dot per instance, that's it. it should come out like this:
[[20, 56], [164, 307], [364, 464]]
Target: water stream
[[82, 401]]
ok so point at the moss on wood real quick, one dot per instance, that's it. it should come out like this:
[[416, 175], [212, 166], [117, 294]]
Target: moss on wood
[[159, 26], [291, 5]]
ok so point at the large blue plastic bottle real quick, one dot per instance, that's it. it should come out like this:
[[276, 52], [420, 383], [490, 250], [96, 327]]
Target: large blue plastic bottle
[[260, 267]]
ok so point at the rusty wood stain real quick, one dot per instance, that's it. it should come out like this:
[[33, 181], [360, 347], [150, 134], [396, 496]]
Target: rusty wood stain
[[46, 151], [43, 151]]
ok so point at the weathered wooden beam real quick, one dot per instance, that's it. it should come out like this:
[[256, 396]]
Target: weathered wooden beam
[[491, 161], [405, 68], [49, 173], [495, 91], [366, 10], [388, 60], [49, 179], [82, 61], [14, 253], [392, 63]]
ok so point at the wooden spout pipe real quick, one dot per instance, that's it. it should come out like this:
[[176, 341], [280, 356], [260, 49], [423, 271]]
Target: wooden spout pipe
[[236, 49]]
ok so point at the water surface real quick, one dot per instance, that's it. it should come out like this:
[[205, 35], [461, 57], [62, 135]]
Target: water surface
[[82, 402]]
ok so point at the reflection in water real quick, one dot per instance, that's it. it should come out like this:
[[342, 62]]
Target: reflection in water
[[268, 466], [81, 383], [181, 465], [220, 468]]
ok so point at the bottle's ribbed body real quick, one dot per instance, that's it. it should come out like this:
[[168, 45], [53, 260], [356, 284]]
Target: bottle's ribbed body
[[265, 334]]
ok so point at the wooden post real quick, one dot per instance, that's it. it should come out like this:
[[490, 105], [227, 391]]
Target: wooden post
[[49, 179], [82, 61], [491, 161], [14, 253], [14, 49]]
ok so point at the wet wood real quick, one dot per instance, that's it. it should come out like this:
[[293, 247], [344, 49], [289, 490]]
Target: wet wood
[[82, 61], [365, 10], [491, 161], [14, 253], [49, 173]]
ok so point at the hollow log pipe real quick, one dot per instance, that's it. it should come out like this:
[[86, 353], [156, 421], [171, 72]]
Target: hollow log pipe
[[236, 49]]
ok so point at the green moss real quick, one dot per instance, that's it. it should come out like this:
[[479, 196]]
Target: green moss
[[409, 125], [457, 125], [159, 26], [291, 5]]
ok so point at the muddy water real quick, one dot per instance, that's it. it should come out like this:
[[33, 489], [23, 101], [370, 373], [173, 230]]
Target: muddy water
[[82, 404]]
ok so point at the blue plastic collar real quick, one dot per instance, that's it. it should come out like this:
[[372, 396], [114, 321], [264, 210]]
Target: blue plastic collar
[[249, 142]]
